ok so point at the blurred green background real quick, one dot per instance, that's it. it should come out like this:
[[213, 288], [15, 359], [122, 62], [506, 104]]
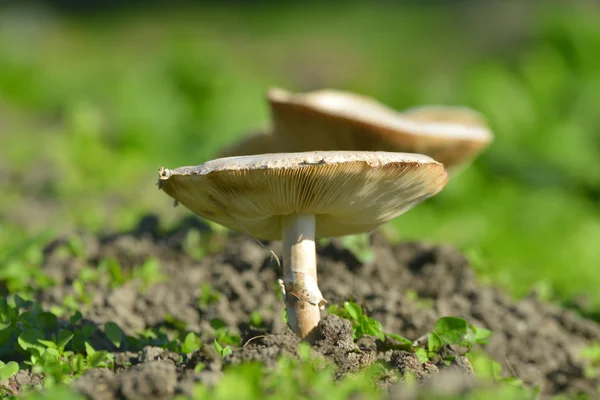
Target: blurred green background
[[92, 104]]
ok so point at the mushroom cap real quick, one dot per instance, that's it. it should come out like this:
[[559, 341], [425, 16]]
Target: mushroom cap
[[348, 191], [338, 120], [451, 115], [259, 142]]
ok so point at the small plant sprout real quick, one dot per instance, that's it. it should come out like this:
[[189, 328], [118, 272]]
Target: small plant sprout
[[256, 319], [337, 120], [453, 331], [207, 296], [223, 351], [223, 333], [113, 333], [296, 197], [361, 323], [8, 370], [191, 343]]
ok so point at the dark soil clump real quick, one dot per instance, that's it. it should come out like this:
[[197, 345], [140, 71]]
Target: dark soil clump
[[538, 342], [152, 380]]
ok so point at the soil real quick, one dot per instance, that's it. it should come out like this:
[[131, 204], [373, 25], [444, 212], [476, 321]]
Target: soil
[[407, 288]]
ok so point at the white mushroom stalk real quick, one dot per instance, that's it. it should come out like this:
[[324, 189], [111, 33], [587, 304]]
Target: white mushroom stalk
[[296, 197], [303, 298]]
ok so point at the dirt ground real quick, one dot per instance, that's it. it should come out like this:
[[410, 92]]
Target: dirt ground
[[407, 288]]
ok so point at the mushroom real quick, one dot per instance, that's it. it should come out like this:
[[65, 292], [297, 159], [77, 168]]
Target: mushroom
[[259, 142], [337, 120], [296, 197]]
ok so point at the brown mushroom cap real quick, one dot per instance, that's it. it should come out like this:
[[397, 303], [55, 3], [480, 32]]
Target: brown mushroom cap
[[261, 142], [348, 191], [456, 115], [337, 120]]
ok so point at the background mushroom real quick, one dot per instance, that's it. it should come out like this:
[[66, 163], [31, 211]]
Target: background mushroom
[[337, 120], [296, 197]]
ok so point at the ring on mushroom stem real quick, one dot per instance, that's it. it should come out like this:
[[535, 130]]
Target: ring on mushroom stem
[[296, 197], [338, 120]]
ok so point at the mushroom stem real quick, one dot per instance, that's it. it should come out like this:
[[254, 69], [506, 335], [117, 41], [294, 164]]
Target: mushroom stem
[[303, 298]]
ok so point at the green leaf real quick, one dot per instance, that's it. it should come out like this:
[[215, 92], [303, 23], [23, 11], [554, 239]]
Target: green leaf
[[304, 351], [97, 359], [369, 326], [191, 343], [20, 302], [33, 358], [80, 288], [113, 332], [8, 314], [46, 320], [339, 311], [88, 274], [399, 338], [76, 317], [29, 319], [6, 334], [52, 351], [226, 351], [484, 366], [592, 353], [114, 270], [8, 370], [223, 351], [353, 309], [48, 343], [362, 324], [217, 323], [468, 338], [207, 296], [89, 349], [482, 335], [451, 330], [226, 337], [256, 319], [69, 302], [29, 340], [199, 367], [88, 330], [57, 310], [78, 363], [149, 272], [434, 342], [76, 246], [178, 324], [421, 354], [193, 244], [64, 337]]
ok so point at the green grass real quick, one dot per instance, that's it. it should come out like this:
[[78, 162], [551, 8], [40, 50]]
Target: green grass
[[91, 107]]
